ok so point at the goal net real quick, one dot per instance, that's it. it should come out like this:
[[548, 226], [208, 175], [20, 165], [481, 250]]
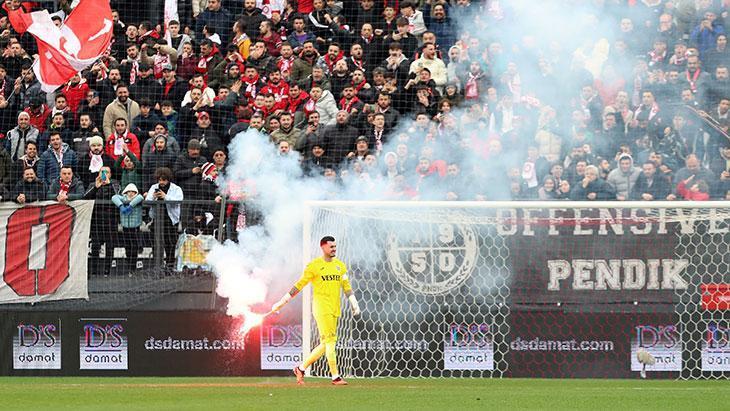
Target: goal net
[[531, 289]]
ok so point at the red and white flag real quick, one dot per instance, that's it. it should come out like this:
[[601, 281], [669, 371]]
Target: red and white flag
[[170, 14], [66, 50]]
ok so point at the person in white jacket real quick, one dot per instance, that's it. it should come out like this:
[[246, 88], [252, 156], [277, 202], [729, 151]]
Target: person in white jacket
[[167, 191], [198, 81], [435, 65], [623, 178], [198, 7], [416, 24], [326, 105]]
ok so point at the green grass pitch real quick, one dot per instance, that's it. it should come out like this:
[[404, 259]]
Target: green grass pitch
[[277, 394]]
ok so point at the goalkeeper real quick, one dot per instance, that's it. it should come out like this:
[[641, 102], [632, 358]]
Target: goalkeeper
[[327, 275]]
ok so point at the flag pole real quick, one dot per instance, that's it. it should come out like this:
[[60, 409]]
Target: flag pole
[[35, 61]]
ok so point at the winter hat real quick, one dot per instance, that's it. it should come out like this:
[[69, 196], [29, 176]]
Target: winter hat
[[130, 187], [194, 143], [95, 140], [208, 170]]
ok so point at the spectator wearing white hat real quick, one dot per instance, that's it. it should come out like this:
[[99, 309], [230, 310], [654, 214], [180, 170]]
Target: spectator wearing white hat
[[17, 137], [91, 162]]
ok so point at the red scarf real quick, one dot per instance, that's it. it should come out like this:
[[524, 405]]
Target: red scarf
[[331, 63], [295, 103], [677, 60], [310, 107], [64, 186], [280, 90], [285, 64], [168, 86], [203, 62], [359, 87], [159, 62], [471, 89], [251, 86], [348, 105], [693, 80], [655, 57]]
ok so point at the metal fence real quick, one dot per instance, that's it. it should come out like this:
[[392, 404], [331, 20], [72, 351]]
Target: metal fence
[[150, 280]]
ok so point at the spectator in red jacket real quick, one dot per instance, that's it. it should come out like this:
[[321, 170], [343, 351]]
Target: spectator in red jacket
[[38, 112], [698, 191], [120, 137], [75, 91]]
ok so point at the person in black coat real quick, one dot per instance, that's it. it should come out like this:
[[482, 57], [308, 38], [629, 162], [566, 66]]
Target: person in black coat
[[161, 156], [339, 139], [29, 189], [650, 186], [173, 87], [205, 133], [592, 187], [104, 220], [92, 107], [315, 164], [143, 126], [146, 87], [92, 161], [188, 168]]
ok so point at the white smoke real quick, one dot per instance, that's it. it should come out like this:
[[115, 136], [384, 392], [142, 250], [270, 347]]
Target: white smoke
[[255, 271], [267, 256]]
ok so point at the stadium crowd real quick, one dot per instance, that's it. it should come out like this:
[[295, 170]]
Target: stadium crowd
[[426, 99]]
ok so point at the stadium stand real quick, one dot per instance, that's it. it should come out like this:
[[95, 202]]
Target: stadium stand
[[401, 92]]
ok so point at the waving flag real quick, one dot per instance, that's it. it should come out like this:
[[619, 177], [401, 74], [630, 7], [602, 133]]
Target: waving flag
[[170, 14], [66, 50]]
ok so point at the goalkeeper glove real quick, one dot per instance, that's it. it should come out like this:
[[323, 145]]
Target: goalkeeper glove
[[354, 305], [277, 306]]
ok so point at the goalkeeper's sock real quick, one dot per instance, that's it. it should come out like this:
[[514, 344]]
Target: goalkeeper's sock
[[332, 357]]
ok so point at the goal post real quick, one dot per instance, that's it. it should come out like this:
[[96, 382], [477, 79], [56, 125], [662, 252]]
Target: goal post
[[528, 289]]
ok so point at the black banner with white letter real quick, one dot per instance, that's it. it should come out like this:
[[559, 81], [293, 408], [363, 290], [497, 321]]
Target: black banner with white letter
[[601, 256]]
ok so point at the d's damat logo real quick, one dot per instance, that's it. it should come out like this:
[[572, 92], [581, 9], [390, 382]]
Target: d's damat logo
[[103, 344], [432, 259], [96, 336], [37, 346], [469, 347], [662, 341], [33, 335]]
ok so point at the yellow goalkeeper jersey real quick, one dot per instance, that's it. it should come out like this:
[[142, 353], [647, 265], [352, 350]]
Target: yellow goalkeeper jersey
[[327, 279]]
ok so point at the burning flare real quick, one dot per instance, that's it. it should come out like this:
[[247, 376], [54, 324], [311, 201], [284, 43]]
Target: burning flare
[[251, 320]]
